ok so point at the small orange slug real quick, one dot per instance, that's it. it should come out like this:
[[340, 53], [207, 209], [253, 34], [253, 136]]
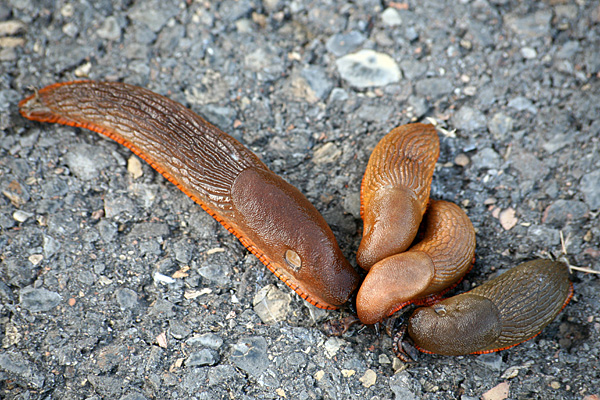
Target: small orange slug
[[395, 191], [268, 215]]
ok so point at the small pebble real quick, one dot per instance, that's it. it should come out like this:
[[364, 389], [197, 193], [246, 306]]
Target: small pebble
[[36, 300], [343, 43], [590, 187], [412, 69], [272, 5], [369, 378], [220, 274], [178, 329], [522, 104], [368, 68], [510, 373], [338, 95], [134, 167], [70, 29], [591, 397], [83, 70], [528, 53], [160, 278], [312, 84], [327, 153], [21, 216], [469, 119], [127, 299], [384, 359], [557, 142], [492, 361], [18, 367], [110, 29], [250, 355], [264, 63], [154, 18], [418, 106], [544, 235], [347, 373], [16, 193], [271, 304], [86, 161], [404, 386], [500, 125], [163, 309], [568, 50], [332, 346], [486, 158], [161, 340], [429, 386], [210, 340], [470, 90], [67, 10], [561, 212], [317, 80], [202, 358], [35, 259], [531, 25], [462, 160], [11, 42], [7, 54], [12, 27], [391, 17], [528, 165], [498, 392]]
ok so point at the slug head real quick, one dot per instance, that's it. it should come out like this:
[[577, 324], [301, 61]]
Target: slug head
[[391, 222], [291, 237], [459, 325], [392, 283]]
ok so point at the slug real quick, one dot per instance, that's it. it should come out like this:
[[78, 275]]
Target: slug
[[497, 315], [395, 191], [434, 265], [270, 217]]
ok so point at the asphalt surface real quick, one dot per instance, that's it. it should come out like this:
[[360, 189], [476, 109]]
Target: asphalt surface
[[114, 284]]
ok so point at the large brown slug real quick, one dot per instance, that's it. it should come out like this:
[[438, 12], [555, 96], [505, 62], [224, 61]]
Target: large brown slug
[[395, 191], [499, 314], [268, 215], [435, 264]]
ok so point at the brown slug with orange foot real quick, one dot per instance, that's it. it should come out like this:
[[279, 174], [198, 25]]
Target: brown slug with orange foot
[[497, 315], [395, 191], [428, 269], [269, 216]]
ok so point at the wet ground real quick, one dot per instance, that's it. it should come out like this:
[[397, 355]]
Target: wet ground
[[114, 284]]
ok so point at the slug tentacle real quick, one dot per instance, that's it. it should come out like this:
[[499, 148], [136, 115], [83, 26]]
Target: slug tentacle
[[395, 191], [217, 172], [497, 315], [435, 264]]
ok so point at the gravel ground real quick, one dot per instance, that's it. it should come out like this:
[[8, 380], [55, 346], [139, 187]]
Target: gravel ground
[[113, 284]]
